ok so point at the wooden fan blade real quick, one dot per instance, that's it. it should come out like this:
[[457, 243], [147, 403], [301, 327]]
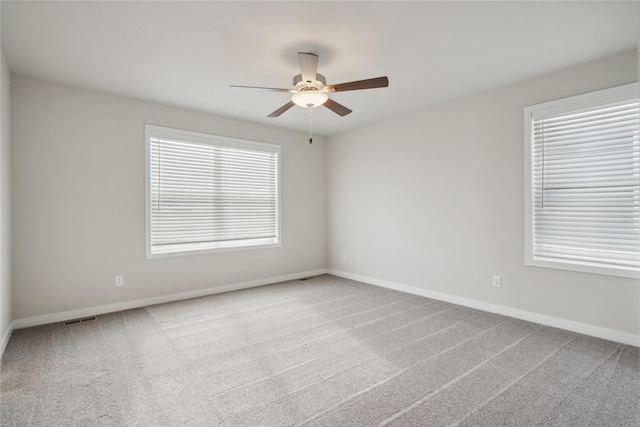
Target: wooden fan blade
[[272, 89], [360, 84], [308, 66], [339, 109], [282, 109]]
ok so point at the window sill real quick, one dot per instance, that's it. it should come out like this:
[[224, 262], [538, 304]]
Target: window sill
[[182, 250], [584, 267]]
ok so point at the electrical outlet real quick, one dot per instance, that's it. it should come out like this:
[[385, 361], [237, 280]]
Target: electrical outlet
[[497, 282], [119, 280], [344, 256]]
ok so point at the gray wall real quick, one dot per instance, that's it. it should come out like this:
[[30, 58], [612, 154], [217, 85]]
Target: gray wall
[[5, 203], [434, 200], [78, 202]]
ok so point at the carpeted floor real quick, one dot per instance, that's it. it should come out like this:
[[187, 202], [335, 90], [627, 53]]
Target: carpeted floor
[[321, 352]]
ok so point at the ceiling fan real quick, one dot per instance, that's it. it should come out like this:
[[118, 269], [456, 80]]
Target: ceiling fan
[[310, 88]]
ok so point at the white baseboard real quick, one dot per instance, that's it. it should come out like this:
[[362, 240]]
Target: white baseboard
[[5, 338], [570, 325], [127, 305], [582, 328]]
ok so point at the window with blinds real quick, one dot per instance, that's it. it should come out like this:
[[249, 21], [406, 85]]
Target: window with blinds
[[583, 182], [207, 193]]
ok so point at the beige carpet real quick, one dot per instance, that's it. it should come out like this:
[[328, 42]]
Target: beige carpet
[[322, 352]]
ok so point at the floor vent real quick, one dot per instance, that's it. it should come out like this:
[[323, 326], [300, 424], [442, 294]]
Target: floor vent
[[305, 278], [84, 319]]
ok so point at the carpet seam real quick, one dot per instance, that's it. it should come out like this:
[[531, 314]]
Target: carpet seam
[[453, 381], [241, 304], [581, 379], [226, 316], [307, 327], [454, 307], [378, 356], [354, 367], [290, 368], [386, 380], [510, 384]]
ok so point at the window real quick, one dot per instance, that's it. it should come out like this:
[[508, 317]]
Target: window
[[582, 183], [207, 193]]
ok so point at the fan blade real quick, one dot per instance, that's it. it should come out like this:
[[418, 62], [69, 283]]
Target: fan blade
[[339, 109], [308, 66], [360, 84], [272, 89], [282, 109]]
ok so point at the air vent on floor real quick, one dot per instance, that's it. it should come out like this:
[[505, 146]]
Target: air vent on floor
[[84, 319], [306, 278]]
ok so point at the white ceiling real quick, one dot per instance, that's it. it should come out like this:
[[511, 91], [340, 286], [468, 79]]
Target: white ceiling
[[188, 53]]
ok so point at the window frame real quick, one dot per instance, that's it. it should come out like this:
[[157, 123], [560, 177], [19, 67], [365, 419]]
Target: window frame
[[601, 97], [216, 140]]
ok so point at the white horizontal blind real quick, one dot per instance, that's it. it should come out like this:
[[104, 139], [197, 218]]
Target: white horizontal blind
[[205, 196], [586, 185]]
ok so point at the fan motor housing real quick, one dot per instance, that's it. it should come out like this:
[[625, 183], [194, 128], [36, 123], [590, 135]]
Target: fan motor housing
[[301, 85]]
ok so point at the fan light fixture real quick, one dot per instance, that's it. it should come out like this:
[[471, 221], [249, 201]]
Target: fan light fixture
[[309, 98]]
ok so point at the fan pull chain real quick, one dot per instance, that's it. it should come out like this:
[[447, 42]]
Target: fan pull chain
[[310, 126]]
